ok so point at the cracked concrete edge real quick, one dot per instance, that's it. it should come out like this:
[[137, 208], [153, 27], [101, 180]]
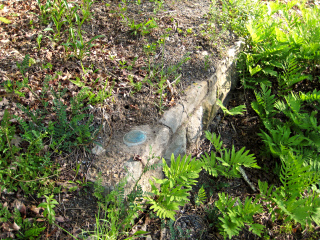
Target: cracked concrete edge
[[186, 120], [198, 108]]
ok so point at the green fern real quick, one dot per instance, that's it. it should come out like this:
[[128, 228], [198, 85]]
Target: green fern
[[291, 199], [279, 140], [174, 190], [24, 65], [292, 73], [119, 211], [295, 176], [234, 111], [239, 158], [236, 215], [310, 97], [264, 106], [212, 166], [212, 137], [229, 162], [201, 196]]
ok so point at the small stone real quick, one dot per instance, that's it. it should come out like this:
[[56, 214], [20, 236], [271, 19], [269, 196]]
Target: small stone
[[98, 150], [205, 53]]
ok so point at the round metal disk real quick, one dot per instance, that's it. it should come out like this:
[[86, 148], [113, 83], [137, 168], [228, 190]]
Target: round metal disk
[[134, 137]]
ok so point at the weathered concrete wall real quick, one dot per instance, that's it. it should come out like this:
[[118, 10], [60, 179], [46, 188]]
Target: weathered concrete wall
[[178, 130]]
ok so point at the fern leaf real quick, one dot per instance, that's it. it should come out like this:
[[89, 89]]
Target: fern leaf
[[296, 210], [201, 196], [214, 140], [174, 191], [231, 228], [238, 110], [294, 176], [264, 106], [236, 216], [294, 102], [310, 97], [164, 211], [210, 163], [316, 216], [264, 189], [256, 229], [224, 202], [239, 158], [234, 111], [33, 232]]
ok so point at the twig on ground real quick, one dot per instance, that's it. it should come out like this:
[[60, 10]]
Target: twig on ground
[[244, 175]]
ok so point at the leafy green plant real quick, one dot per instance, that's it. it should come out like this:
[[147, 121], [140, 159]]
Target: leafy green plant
[[201, 196], [174, 189], [48, 208], [283, 44], [78, 45], [142, 28], [93, 97], [301, 127], [229, 162], [27, 228], [230, 15], [234, 111], [264, 105], [117, 212], [23, 169], [279, 40], [4, 20], [161, 85], [58, 22], [85, 8], [136, 85], [236, 215], [294, 200], [7, 132], [39, 38], [116, 215], [70, 13], [158, 7], [45, 10]]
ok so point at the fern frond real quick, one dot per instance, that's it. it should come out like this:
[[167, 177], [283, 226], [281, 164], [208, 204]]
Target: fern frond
[[297, 210], [264, 106], [213, 167], [234, 111], [224, 202], [294, 102], [316, 215], [265, 190], [235, 216], [212, 137], [256, 229], [280, 140], [239, 158], [292, 73], [201, 196], [281, 106], [294, 175], [164, 210], [174, 190], [310, 97], [210, 163], [231, 228]]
